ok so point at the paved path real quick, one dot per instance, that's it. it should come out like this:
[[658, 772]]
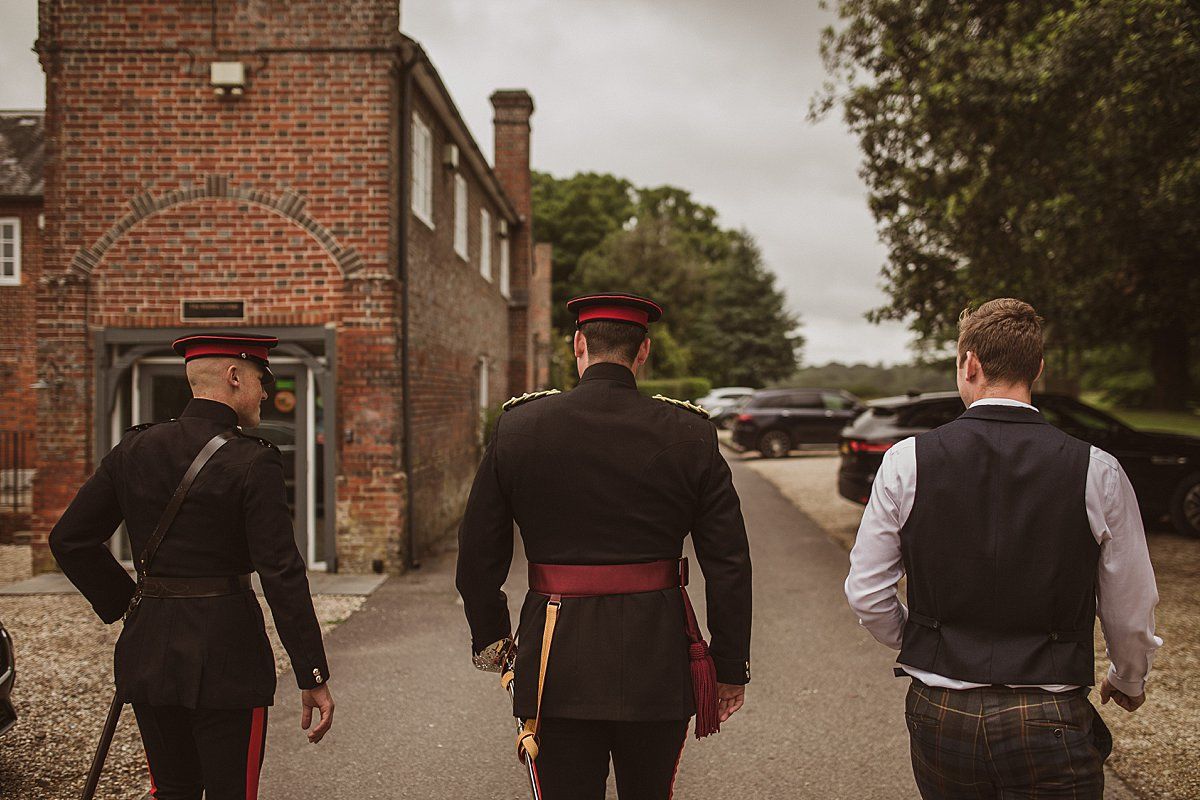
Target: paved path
[[823, 718]]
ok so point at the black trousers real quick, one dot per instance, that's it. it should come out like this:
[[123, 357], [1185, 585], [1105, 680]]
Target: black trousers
[[216, 753], [572, 762]]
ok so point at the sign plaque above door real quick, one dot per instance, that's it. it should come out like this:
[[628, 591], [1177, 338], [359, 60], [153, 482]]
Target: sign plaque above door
[[199, 310]]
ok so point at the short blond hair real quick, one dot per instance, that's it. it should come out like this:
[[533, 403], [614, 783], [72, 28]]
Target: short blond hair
[[1006, 336]]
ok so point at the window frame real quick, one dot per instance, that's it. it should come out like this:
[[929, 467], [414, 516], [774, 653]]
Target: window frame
[[485, 244], [505, 268], [422, 171], [462, 233], [15, 278]]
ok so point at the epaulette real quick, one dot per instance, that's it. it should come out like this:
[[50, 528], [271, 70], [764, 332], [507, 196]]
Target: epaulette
[[513, 402], [261, 441], [140, 428], [692, 407]]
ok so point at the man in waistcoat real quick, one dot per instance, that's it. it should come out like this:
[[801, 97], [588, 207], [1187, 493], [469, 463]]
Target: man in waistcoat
[[1013, 536], [193, 657], [606, 484]]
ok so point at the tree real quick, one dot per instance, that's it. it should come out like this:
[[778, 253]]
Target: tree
[[576, 214], [724, 315], [1048, 150], [747, 334]]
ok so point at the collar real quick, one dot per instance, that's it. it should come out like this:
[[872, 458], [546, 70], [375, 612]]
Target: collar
[[211, 410], [1009, 411], [1002, 401], [609, 371]]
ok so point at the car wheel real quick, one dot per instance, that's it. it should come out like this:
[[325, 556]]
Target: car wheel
[[775, 444], [1185, 506]]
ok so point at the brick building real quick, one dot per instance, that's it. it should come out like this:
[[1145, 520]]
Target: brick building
[[292, 168], [22, 150]]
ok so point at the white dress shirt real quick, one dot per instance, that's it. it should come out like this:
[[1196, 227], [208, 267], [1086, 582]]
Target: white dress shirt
[[1126, 593]]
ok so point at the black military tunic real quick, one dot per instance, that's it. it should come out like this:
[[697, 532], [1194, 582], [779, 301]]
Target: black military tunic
[[204, 652], [605, 475]]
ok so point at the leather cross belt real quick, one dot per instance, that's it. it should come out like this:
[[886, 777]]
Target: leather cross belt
[[195, 587]]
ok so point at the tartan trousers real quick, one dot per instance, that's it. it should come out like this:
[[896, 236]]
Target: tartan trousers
[[998, 743]]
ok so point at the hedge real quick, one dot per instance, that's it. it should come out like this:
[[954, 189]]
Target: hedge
[[678, 388]]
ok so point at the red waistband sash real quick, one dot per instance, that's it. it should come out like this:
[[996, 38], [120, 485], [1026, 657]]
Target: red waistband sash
[[597, 580]]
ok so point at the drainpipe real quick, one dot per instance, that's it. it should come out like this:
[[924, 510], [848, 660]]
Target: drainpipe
[[405, 81]]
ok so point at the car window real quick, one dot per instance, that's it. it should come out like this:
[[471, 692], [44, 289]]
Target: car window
[[802, 400], [1074, 417], [932, 415], [836, 402]]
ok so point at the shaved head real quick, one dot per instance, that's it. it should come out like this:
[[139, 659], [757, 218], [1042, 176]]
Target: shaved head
[[235, 382], [207, 375]]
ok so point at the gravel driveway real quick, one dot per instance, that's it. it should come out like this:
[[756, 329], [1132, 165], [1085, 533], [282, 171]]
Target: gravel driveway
[[1157, 749], [64, 687]]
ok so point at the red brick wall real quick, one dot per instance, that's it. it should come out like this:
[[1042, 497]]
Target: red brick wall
[[513, 109], [18, 363], [18, 366], [457, 316], [157, 189]]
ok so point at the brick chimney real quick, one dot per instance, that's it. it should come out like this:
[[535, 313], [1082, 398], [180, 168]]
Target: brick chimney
[[513, 108]]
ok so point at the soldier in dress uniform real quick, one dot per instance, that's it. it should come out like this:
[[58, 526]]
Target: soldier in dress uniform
[[605, 485], [194, 658]]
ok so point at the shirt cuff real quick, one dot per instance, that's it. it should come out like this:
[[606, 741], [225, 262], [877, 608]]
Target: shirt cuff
[[732, 671], [1131, 688]]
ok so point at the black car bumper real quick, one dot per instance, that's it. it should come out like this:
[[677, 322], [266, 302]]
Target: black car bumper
[[745, 437]]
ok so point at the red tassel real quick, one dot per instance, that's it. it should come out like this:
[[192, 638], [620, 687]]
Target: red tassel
[[704, 684]]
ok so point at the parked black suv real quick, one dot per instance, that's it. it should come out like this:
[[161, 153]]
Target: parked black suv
[[8, 674], [1164, 468], [775, 421]]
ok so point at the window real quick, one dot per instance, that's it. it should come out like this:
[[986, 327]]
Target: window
[[485, 244], [932, 414], [836, 402], [504, 286], [460, 215], [802, 400], [10, 251], [422, 171]]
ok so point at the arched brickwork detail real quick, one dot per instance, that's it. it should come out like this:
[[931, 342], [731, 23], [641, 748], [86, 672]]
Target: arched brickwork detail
[[289, 204]]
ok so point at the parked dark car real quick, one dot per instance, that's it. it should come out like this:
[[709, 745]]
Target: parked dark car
[[776, 421], [1164, 468], [8, 675]]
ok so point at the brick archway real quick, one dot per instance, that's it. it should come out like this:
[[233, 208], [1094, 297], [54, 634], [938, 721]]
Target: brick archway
[[289, 204]]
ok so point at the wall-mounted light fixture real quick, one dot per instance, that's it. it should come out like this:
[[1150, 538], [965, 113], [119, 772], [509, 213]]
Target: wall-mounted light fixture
[[227, 78], [503, 229], [450, 156]]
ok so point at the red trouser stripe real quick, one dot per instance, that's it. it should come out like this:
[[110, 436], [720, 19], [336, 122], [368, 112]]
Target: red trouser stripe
[[153, 788], [675, 774], [254, 757]]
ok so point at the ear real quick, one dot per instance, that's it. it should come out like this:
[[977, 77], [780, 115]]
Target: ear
[[643, 352], [972, 366], [1041, 369], [233, 376], [580, 345]]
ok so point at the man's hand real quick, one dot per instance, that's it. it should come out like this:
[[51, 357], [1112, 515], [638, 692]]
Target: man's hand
[[1109, 692], [730, 698], [320, 699]]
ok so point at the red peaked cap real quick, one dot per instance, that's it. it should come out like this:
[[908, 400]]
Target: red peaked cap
[[251, 346], [615, 307]]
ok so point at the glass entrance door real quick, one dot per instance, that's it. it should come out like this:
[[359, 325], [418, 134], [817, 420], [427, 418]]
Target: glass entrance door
[[291, 420]]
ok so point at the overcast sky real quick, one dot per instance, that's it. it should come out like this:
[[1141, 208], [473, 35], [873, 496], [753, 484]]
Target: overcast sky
[[707, 95]]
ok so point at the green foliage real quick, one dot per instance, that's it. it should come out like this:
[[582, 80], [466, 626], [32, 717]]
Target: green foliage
[[872, 381], [677, 388], [725, 318], [1047, 150]]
